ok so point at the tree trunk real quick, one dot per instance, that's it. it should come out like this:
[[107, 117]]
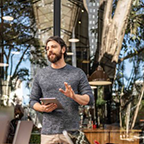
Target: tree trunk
[[111, 33], [137, 108], [120, 108], [128, 116], [114, 28], [1, 43]]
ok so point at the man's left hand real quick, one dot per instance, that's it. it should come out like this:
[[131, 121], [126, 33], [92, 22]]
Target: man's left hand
[[68, 91]]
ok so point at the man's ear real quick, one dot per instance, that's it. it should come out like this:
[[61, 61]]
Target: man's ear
[[63, 50]]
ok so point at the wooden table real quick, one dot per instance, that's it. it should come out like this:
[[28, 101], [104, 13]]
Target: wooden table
[[104, 136]]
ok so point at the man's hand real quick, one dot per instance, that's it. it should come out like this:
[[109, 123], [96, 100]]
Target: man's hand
[[49, 107], [81, 99], [68, 91]]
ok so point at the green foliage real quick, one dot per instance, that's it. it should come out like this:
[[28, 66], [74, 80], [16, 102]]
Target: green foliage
[[100, 102], [134, 37], [142, 103], [35, 138], [126, 89], [100, 94], [19, 35]]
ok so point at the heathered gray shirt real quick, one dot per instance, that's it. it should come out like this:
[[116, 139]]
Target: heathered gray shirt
[[47, 83]]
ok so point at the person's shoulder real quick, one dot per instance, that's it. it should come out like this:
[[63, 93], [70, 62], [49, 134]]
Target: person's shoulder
[[41, 71], [73, 68]]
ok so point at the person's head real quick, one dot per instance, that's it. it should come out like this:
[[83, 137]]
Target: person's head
[[56, 48], [18, 111]]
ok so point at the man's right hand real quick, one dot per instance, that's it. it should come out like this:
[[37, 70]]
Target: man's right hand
[[45, 108], [49, 107]]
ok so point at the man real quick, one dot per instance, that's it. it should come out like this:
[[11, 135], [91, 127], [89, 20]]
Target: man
[[65, 82]]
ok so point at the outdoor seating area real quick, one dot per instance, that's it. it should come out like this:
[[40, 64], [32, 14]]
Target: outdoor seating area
[[24, 134]]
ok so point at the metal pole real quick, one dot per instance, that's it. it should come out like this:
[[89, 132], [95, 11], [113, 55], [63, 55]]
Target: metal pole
[[57, 17]]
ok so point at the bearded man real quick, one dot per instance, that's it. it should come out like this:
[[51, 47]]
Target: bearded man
[[66, 83]]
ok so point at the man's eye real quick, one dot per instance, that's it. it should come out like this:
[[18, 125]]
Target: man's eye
[[54, 46]]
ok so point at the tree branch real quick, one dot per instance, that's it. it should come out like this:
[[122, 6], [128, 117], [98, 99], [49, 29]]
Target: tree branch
[[11, 64], [20, 61], [137, 107], [131, 55]]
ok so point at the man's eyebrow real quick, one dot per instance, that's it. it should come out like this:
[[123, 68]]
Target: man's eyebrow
[[54, 45], [47, 47]]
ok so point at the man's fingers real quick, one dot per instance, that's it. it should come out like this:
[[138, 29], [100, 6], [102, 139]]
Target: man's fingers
[[68, 90], [66, 85], [69, 87], [61, 90], [51, 107]]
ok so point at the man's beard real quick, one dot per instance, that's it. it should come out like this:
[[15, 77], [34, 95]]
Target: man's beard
[[56, 57]]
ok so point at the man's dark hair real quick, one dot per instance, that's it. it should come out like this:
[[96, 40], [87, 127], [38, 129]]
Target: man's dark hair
[[60, 41]]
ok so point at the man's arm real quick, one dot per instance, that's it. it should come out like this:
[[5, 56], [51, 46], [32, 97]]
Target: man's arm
[[36, 94], [81, 99]]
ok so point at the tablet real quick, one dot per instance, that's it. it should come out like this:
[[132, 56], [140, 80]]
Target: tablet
[[52, 100]]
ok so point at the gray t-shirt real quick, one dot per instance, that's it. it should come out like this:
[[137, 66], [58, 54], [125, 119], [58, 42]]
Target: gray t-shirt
[[47, 83]]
